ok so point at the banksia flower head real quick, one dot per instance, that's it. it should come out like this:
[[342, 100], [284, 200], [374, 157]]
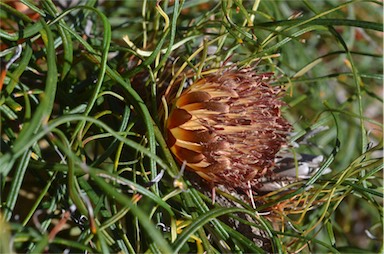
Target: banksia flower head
[[228, 128]]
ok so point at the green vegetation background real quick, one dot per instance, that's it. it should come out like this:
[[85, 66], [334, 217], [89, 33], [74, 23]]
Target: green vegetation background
[[80, 125]]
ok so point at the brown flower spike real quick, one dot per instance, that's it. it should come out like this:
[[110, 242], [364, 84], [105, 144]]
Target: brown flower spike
[[228, 127]]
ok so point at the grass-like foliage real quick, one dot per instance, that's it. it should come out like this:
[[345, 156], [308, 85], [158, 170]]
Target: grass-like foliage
[[84, 165]]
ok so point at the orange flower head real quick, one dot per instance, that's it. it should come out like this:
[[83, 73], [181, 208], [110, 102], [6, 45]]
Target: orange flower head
[[228, 127]]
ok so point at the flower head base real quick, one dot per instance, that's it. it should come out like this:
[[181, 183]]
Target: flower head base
[[228, 127]]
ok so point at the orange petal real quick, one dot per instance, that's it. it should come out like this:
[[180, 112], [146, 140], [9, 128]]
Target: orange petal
[[178, 117]]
